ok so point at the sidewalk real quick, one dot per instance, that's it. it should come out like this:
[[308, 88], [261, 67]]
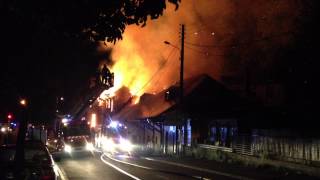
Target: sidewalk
[[237, 171]]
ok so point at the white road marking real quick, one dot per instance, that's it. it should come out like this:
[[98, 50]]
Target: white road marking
[[118, 169], [61, 173], [124, 162], [144, 167], [97, 150], [200, 169]]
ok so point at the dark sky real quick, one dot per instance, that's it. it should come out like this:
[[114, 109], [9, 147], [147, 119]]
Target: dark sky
[[41, 65]]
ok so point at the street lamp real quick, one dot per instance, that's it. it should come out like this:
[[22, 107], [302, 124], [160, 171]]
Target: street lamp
[[168, 43], [23, 102], [3, 129], [181, 83]]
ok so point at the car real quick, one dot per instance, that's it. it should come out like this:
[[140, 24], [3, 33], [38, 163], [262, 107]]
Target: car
[[38, 162]]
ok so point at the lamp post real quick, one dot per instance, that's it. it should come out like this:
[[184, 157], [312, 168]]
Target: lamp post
[[19, 157], [59, 112]]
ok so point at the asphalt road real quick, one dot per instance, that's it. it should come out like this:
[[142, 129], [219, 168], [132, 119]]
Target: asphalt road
[[99, 166]]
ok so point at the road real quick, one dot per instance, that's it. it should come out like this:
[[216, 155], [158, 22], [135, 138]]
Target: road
[[100, 166]]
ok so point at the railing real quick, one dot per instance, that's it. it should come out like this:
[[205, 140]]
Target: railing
[[244, 149], [288, 149], [206, 146], [243, 145]]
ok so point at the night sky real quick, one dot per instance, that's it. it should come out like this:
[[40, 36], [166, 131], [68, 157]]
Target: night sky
[[42, 70]]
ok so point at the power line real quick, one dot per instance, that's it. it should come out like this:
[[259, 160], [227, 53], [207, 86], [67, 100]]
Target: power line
[[196, 50], [160, 77], [240, 43], [158, 70], [153, 76], [205, 53]]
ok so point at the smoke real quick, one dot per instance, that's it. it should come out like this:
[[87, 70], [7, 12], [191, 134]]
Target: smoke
[[222, 38]]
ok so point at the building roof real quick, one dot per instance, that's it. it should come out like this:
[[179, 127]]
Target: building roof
[[202, 96]]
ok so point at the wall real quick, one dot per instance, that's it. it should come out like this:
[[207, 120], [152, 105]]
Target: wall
[[142, 133]]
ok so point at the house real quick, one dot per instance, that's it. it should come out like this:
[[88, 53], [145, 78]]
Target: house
[[214, 114]]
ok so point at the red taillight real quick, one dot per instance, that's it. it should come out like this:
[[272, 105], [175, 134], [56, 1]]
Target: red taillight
[[48, 174], [48, 177]]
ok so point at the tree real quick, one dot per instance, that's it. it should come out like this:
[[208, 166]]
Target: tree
[[94, 19], [28, 25]]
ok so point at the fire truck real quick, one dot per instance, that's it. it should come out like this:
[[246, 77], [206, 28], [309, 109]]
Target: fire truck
[[115, 139], [77, 135], [77, 138]]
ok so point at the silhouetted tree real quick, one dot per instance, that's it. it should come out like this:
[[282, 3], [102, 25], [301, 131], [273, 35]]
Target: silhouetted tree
[[24, 21], [95, 19]]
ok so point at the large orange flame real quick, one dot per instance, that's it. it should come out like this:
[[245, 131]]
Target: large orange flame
[[129, 69]]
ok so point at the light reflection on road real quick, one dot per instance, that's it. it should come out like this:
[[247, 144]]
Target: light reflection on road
[[117, 168]]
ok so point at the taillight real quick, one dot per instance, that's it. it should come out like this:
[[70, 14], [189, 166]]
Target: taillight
[[48, 174], [48, 177]]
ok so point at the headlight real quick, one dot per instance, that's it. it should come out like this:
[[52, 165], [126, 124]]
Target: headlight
[[67, 148], [125, 145], [89, 147], [108, 145]]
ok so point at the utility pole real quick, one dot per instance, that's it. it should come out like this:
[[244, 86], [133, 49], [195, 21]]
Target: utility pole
[[185, 132], [181, 63], [184, 122]]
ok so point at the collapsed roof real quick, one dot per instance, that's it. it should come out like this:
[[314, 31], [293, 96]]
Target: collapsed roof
[[203, 96]]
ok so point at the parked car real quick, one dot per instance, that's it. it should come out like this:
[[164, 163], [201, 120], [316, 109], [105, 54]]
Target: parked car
[[38, 162]]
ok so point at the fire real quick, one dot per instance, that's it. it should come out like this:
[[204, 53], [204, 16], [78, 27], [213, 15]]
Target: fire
[[136, 99], [130, 72], [129, 69]]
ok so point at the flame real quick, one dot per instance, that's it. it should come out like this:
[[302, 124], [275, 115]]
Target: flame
[[136, 100], [130, 69], [130, 72]]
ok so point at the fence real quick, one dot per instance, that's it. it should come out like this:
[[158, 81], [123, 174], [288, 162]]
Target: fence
[[289, 149], [206, 146]]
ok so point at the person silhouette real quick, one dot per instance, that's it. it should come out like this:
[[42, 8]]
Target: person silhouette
[[105, 75]]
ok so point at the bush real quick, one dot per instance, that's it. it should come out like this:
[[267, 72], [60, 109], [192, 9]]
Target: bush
[[216, 155]]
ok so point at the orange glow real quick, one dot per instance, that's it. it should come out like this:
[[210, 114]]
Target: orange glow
[[101, 102], [93, 120], [129, 69]]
